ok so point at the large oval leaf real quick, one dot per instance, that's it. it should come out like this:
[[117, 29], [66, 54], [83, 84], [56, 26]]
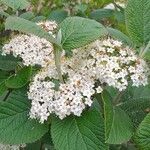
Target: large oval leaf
[[15, 125], [79, 133], [78, 32], [28, 27], [142, 137], [138, 20], [118, 126]]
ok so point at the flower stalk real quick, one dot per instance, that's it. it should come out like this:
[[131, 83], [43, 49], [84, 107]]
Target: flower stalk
[[57, 54]]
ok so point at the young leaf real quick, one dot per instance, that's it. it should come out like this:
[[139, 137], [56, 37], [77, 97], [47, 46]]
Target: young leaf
[[118, 128], [138, 20], [15, 125], [20, 79], [8, 62], [26, 26], [78, 32], [142, 137], [16, 4], [83, 133]]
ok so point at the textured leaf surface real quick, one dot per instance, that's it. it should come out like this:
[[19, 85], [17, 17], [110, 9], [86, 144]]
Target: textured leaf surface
[[3, 76], [83, 133], [20, 79], [142, 137], [16, 4], [108, 113], [119, 36], [78, 32], [135, 102], [121, 128], [26, 26], [15, 125], [8, 62], [118, 128], [138, 20]]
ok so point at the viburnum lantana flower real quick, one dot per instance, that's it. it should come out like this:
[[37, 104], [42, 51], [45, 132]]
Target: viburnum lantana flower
[[32, 49], [103, 62]]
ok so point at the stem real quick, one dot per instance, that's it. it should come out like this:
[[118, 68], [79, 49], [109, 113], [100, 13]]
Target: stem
[[57, 54]]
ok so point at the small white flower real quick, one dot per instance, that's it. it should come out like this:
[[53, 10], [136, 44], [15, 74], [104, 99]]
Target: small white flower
[[99, 89]]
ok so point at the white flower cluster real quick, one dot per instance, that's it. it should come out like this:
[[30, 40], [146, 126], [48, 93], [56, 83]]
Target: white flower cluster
[[102, 62], [32, 49], [85, 73], [48, 26], [11, 147], [116, 65], [62, 99]]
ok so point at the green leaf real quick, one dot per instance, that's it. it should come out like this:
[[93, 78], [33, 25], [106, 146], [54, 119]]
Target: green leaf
[[3, 88], [119, 36], [34, 146], [3, 76], [142, 137], [15, 125], [20, 79], [27, 15], [101, 14], [135, 102], [26, 26], [138, 20], [78, 32], [8, 62], [108, 113], [121, 128], [58, 15], [118, 128], [16, 4], [79, 133], [38, 18]]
